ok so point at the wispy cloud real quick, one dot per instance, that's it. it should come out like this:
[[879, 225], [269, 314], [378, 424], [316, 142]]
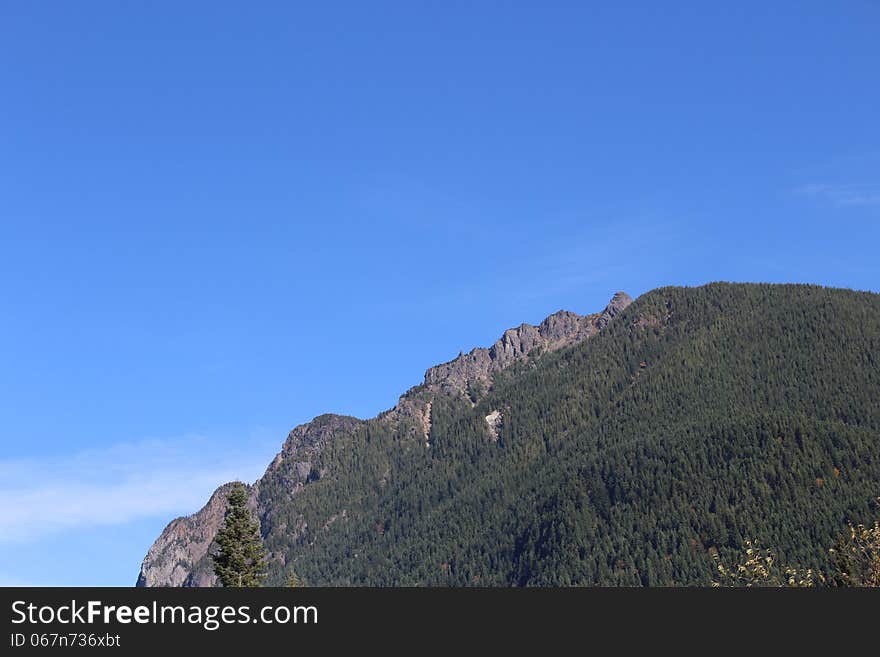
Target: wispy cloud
[[843, 195], [125, 482]]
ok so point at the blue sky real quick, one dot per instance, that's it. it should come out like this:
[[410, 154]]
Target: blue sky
[[218, 220]]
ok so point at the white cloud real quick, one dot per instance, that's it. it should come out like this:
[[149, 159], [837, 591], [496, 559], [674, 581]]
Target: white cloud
[[119, 484], [843, 195]]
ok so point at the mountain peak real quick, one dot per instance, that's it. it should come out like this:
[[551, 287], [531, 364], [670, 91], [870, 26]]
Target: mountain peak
[[618, 303]]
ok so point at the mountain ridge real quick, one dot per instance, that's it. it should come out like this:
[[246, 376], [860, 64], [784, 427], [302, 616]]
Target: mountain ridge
[[695, 419], [186, 540]]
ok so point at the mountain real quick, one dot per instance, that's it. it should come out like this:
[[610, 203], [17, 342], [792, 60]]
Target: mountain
[[622, 448], [179, 557]]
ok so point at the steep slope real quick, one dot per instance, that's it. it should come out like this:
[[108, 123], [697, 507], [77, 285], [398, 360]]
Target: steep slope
[[695, 419], [180, 556], [184, 543]]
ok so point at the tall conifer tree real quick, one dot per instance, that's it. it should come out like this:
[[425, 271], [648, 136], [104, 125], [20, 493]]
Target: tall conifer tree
[[240, 560]]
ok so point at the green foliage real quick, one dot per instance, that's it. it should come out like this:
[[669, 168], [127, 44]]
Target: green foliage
[[240, 559], [698, 418]]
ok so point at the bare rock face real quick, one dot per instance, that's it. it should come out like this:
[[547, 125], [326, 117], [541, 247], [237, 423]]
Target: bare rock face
[[561, 329], [495, 420], [618, 303], [413, 411], [180, 556], [305, 442], [183, 544]]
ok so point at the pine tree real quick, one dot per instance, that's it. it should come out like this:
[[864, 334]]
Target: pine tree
[[240, 560], [293, 580]]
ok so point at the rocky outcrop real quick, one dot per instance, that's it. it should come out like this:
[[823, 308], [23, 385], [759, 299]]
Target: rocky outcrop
[[184, 543], [180, 556], [304, 444], [494, 421], [473, 371], [618, 303], [413, 411]]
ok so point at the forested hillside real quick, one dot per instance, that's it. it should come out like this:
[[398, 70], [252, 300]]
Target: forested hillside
[[696, 419]]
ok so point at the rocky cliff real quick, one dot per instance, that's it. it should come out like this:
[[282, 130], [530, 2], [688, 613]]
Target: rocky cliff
[[180, 556], [184, 543], [561, 329]]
